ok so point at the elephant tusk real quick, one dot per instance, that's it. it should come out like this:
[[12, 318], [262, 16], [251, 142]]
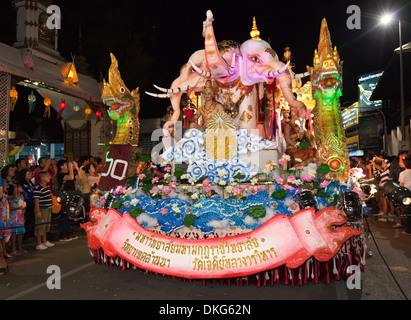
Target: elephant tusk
[[161, 95], [184, 87], [301, 75], [169, 91], [199, 71], [278, 72]]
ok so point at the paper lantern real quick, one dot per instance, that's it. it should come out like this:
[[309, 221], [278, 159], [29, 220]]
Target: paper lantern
[[76, 107], [32, 101], [47, 103], [62, 107], [13, 98], [87, 112], [98, 115]]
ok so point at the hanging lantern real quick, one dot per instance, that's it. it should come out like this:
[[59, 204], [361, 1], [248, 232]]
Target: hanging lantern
[[76, 107], [98, 115], [32, 101], [87, 112], [47, 103], [62, 107], [13, 98]]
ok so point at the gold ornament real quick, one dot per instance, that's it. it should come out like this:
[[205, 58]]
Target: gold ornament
[[255, 34], [220, 140], [208, 87]]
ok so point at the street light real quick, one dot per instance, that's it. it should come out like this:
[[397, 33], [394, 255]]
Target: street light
[[385, 20]]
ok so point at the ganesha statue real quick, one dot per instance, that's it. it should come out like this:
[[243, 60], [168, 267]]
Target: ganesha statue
[[238, 73]]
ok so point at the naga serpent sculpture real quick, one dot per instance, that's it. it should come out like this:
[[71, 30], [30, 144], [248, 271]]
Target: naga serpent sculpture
[[124, 106], [329, 131]]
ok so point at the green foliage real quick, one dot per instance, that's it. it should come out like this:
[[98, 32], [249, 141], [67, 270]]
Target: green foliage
[[189, 220], [131, 180], [323, 168], [148, 177], [257, 212], [116, 205], [178, 172], [145, 158], [321, 193], [147, 187], [279, 194], [239, 176], [135, 212], [304, 145]]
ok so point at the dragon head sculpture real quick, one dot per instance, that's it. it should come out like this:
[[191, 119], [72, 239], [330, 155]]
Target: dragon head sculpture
[[123, 104]]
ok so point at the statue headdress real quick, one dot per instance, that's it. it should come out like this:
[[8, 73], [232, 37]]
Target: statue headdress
[[208, 87]]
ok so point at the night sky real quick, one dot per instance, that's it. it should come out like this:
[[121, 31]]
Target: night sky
[[153, 39]]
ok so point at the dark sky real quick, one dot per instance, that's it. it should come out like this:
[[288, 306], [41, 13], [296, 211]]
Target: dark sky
[[153, 39]]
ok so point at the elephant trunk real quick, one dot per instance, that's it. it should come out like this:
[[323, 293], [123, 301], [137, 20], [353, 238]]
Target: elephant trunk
[[175, 99], [271, 73], [215, 62], [279, 71]]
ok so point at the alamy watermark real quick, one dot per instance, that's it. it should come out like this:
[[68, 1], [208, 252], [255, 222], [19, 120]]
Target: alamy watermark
[[354, 20], [54, 281], [54, 21], [354, 281]]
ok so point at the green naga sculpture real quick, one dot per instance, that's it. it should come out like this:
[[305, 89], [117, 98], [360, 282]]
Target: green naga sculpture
[[124, 106], [326, 77]]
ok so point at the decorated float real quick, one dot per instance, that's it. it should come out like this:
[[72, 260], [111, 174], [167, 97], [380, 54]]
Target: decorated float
[[233, 198]]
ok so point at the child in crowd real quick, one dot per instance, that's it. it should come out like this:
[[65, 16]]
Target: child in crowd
[[17, 208], [42, 210]]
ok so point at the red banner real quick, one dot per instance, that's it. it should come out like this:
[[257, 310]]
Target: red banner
[[281, 241], [115, 166]]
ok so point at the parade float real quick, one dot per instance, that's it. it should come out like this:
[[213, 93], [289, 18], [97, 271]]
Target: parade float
[[225, 200]]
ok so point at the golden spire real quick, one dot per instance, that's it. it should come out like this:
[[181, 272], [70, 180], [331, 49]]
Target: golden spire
[[325, 49], [326, 56], [255, 34]]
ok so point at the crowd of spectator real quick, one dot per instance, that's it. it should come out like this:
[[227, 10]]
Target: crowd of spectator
[[387, 170], [26, 201]]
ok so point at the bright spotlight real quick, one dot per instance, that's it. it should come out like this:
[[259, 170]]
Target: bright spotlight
[[386, 19]]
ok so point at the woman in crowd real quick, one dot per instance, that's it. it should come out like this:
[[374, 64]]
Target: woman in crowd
[[16, 207], [8, 174], [26, 182], [92, 176], [4, 230]]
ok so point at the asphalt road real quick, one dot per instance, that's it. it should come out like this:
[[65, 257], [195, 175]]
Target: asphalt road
[[82, 279]]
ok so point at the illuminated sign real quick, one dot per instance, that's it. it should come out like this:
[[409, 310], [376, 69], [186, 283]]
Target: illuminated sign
[[350, 116], [366, 86]]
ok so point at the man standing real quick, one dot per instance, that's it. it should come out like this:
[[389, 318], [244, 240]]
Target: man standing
[[20, 164], [42, 209], [45, 166]]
